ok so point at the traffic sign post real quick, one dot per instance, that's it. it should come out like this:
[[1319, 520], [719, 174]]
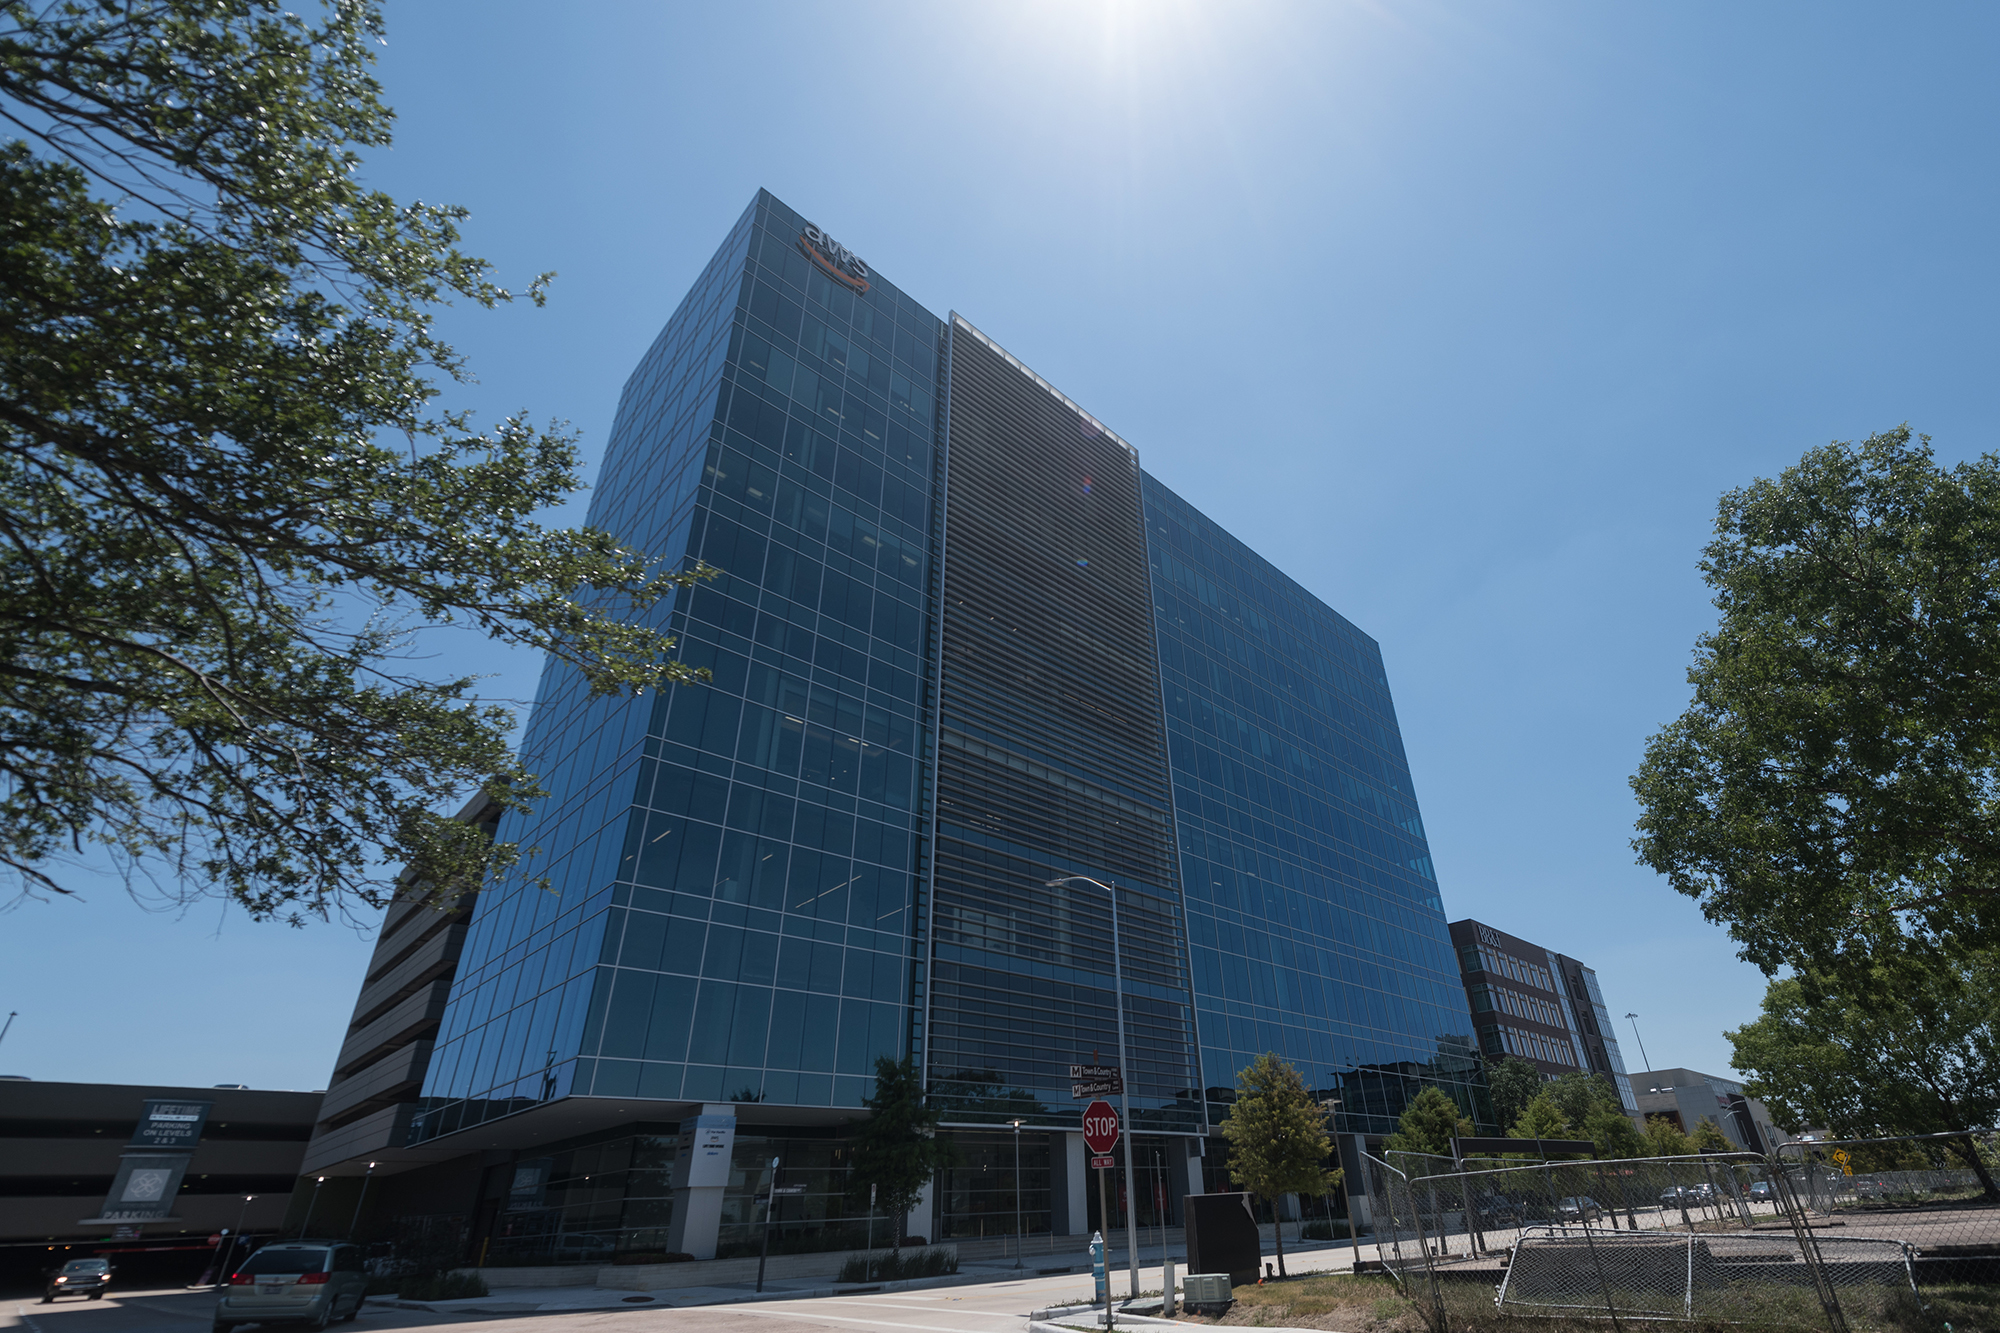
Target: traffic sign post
[[770, 1206], [1100, 1135]]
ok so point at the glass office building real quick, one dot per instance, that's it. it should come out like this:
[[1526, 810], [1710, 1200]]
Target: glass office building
[[962, 645]]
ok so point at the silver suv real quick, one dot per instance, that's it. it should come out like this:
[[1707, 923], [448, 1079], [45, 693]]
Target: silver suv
[[316, 1281]]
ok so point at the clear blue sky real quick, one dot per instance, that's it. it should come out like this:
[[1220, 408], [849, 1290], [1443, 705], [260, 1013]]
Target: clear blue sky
[[1463, 315]]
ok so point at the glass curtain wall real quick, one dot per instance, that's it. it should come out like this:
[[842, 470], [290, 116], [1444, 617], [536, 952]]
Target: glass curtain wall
[[734, 863], [1313, 913]]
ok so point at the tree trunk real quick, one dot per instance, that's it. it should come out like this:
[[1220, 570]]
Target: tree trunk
[[1970, 1152], [1278, 1230]]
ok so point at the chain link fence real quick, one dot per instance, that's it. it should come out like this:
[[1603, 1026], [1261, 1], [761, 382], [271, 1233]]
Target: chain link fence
[[1807, 1239], [1936, 1194]]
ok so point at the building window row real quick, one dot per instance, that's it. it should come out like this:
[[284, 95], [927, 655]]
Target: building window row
[[1475, 958], [1529, 1045], [1485, 999]]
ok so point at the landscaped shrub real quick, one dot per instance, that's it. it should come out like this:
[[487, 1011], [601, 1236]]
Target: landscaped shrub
[[628, 1258], [1338, 1229], [892, 1265], [441, 1287]]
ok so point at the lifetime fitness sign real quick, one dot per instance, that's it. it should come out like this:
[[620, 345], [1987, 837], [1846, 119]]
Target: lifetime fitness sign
[[836, 260], [151, 1167]]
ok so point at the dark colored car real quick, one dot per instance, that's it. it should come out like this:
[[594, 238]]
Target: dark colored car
[[1579, 1208], [79, 1277], [1497, 1210]]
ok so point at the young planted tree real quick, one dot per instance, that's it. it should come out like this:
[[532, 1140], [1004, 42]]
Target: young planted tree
[[897, 1150], [1276, 1130], [227, 494]]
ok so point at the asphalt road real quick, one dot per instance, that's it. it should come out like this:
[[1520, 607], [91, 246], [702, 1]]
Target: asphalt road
[[995, 1307]]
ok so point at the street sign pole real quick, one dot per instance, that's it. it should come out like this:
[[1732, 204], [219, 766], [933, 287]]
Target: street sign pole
[[770, 1206], [1124, 1077], [1125, 1103]]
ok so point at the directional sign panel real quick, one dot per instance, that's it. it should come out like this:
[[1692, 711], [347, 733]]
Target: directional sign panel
[[1095, 1081]]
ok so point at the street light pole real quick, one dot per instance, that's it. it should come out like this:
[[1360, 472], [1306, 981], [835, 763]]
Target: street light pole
[[1641, 1040], [1017, 1194], [306, 1228], [358, 1202], [1124, 1079]]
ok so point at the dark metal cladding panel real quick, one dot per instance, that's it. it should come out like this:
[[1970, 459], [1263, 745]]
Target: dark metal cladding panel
[[1051, 760]]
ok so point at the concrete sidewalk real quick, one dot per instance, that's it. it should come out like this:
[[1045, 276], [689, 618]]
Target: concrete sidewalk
[[1070, 1256]]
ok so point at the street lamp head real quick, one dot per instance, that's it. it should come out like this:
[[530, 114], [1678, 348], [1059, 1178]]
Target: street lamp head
[[1017, 1123]]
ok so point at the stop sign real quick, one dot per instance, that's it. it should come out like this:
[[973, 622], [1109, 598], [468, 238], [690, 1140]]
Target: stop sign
[[1100, 1127]]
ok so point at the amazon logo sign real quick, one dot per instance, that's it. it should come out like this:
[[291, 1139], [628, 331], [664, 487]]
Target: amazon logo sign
[[840, 263]]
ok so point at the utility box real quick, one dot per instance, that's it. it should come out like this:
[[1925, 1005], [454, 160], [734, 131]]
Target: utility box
[[1222, 1236], [1206, 1293]]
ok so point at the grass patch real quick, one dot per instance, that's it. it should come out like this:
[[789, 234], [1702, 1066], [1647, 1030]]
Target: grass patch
[[1367, 1303]]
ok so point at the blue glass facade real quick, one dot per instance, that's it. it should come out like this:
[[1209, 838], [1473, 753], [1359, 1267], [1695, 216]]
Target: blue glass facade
[[1313, 913], [961, 645], [731, 865]]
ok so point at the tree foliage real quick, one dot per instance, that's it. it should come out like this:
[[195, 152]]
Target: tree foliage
[[227, 495], [1277, 1135], [1578, 1093], [897, 1149], [1541, 1119], [1831, 789], [1514, 1082], [1613, 1132], [1707, 1136], [1664, 1138], [1428, 1125], [1907, 1044]]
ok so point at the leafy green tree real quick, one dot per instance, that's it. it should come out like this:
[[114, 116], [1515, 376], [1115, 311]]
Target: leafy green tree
[[1513, 1083], [1830, 789], [1578, 1093], [1708, 1137], [227, 495], [1428, 1125], [897, 1149], [1542, 1119], [1277, 1136], [1665, 1139], [1907, 1044], [1613, 1132]]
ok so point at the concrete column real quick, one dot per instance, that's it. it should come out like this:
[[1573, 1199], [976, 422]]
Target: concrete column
[[1352, 1149], [1076, 1180], [701, 1172], [1197, 1182]]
